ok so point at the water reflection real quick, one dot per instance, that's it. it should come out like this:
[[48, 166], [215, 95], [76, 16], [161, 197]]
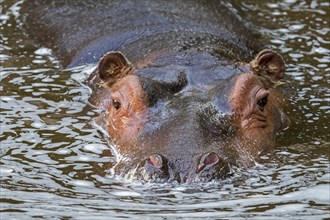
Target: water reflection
[[55, 163]]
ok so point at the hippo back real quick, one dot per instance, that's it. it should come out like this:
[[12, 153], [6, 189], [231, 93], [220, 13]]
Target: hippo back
[[80, 32]]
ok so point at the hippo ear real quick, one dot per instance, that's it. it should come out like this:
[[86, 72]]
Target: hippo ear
[[269, 62], [113, 66]]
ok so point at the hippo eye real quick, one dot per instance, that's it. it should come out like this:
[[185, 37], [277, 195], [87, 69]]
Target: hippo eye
[[262, 102], [262, 98], [116, 104]]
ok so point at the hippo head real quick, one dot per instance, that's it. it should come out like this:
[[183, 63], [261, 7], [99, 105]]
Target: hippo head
[[188, 117]]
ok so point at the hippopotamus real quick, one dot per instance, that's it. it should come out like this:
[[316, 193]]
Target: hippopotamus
[[185, 88]]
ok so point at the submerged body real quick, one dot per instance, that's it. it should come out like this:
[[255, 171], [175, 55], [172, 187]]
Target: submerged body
[[185, 98]]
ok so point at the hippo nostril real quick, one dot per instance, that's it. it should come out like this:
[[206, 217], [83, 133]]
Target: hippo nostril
[[155, 160], [208, 160], [155, 168]]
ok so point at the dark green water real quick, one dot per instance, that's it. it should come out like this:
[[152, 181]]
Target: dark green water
[[55, 163]]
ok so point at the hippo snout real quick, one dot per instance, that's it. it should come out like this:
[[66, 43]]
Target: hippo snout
[[204, 168]]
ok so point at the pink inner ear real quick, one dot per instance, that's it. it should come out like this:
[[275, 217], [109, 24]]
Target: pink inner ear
[[211, 158]]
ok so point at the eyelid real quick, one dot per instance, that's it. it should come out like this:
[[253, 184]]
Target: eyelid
[[117, 96], [261, 93]]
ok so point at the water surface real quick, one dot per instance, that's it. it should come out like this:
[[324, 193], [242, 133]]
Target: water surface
[[55, 163]]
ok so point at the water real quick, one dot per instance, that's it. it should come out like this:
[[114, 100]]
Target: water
[[55, 163]]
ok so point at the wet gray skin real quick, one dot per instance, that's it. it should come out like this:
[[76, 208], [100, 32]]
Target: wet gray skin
[[180, 98]]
